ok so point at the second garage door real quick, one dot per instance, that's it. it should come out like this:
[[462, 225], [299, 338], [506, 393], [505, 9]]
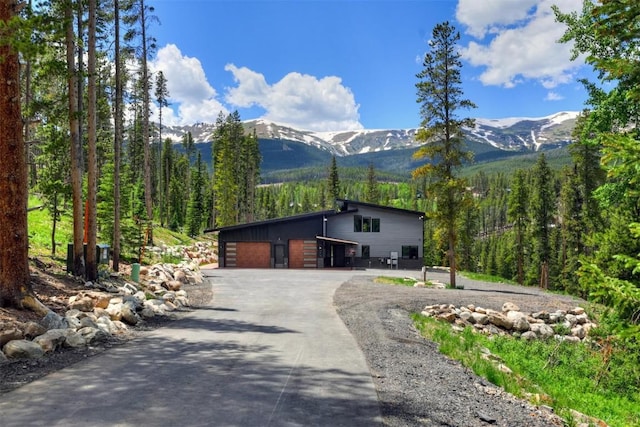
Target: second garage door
[[248, 254], [303, 254]]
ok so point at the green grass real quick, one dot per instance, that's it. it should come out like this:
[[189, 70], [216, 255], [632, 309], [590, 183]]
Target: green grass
[[40, 225], [565, 375], [486, 277], [171, 238], [403, 281]]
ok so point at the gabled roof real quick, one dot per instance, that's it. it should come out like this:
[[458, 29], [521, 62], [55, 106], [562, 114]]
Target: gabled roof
[[344, 205], [310, 215]]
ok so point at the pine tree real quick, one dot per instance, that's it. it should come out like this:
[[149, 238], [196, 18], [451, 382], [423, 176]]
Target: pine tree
[[572, 229], [91, 268], [75, 143], [139, 17], [372, 192], [468, 226], [195, 209], [14, 241], [333, 183], [166, 170], [248, 176], [225, 168], [118, 136], [440, 97], [177, 211], [236, 171], [161, 94], [543, 208], [518, 214]]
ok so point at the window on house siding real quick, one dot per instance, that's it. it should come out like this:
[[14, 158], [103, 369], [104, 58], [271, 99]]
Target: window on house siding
[[365, 252], [357, 223], [365, 224], [410, 252]]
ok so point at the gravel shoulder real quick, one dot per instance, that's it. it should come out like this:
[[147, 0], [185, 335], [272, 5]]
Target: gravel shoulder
[[418, 386]]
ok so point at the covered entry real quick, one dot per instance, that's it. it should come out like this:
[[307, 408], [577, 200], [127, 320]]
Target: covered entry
[[337, 252]]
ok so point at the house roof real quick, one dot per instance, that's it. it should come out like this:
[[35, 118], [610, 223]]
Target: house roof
[[344, 205], [310, 215]]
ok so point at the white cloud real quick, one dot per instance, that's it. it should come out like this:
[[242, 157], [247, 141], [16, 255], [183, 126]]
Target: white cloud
[[553, 96], [299, 100], [522, 44], [487, 16], [193, 99]]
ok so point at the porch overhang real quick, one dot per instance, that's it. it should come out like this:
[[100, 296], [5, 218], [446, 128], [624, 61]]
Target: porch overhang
[[334, 240]]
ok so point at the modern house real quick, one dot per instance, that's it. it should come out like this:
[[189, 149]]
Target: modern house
[[357, 234]]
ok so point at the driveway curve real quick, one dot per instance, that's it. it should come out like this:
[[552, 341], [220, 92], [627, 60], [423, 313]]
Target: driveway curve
[[269, 350]]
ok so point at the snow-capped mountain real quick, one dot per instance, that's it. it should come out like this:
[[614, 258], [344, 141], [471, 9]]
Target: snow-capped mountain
[[521, 134], [525, 133]]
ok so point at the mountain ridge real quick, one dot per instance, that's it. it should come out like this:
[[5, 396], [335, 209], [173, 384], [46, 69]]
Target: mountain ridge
[[515, 134]]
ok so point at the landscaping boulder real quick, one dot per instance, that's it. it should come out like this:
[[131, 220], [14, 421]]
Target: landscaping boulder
[[51, 340], [500, 320], [81, 303], [22, 349], [519, 319], [128, 314], [542, 330], [33, 329], [180, 276], [74, 339], [11, 334], [53, 321]]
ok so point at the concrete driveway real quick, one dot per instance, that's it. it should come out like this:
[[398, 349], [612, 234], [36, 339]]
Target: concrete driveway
[[270, 350]]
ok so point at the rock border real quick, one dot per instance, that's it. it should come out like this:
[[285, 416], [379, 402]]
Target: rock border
[[567, 325], [108, 308]]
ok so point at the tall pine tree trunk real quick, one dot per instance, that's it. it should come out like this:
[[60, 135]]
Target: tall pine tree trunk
[[91, 272], [452, 259], [148, 201], [117, 140], [15, 289], [76, 146], [14, 243]]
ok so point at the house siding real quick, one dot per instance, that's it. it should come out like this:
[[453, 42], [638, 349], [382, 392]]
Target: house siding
[[397, 229], [291, 242], [278, 233]]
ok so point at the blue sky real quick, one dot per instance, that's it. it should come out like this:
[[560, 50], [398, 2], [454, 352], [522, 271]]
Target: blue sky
[[329, 65]]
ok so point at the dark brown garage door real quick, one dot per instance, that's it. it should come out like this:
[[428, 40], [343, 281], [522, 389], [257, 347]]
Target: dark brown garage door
[[248, 254], [302, 254]]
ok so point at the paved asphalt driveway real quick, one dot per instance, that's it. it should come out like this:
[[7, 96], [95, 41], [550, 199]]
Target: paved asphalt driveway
[[270, 350]]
